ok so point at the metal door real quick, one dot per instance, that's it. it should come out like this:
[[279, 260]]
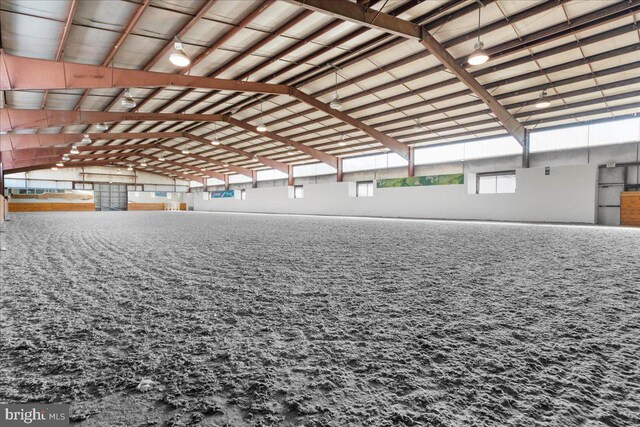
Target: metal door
[[610, 184], [110, 197]]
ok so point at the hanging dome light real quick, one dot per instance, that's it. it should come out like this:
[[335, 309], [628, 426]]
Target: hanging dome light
[[161, 158], [127, 100], [543, 101], [65, 158], [215, 141], [261, 126], [418, 126], [54, 168], [179, 56], [479, 55], [143, 163], [59, 164], [336, 104], [185, 151], [129, 167], [342, 143], [74, 150], [102, 126], [86, 139], [226, 165], [118, 171]]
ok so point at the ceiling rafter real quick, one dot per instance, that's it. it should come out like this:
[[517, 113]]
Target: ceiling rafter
[[63, 41], [125, 33]]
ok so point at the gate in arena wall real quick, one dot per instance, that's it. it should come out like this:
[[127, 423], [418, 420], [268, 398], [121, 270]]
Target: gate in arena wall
[[110, 197]]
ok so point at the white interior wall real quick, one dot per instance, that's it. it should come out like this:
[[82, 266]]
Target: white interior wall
[[568, 194]]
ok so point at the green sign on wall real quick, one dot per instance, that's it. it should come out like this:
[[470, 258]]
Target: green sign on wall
[[413, 181]]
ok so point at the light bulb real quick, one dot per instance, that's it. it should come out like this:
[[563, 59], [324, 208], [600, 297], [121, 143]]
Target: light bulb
[[479, 55], [74, 150], [261, 126], [102, 126], [65, 158], [143, 164], [215, 141], [127, 100], [179, 56], [161, 158], [86, 139], [185, 151]]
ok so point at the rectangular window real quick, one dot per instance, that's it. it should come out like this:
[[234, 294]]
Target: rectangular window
[[298, 192], [496, 182], [243, 194], [364, 189]]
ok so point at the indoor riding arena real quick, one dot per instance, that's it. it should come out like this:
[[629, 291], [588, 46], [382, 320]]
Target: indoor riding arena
[[319, 213]]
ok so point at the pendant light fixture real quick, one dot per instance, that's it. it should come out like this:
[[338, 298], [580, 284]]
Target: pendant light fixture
[[86, 139], [185, 151], [161, 158], [479, 55], [336, 104], [342, 143], [74, 150], [215, 141], [102, 126], [543, 101], [127, 100], [129, 167], [118, 171], [65, 158], [261, 126], [59, 164], [143, 163], [55, 168], [418, 126], [179, 56]]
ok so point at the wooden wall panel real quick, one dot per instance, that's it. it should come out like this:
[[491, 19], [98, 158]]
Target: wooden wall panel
[[51, 207], [152, 206], [630, 208], [146, 206]]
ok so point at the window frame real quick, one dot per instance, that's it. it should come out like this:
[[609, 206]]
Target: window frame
[[495, 175], [368, 183], [295, 191]]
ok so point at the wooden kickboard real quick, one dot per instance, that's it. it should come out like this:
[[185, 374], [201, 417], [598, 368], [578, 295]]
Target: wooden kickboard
[[630, 208]]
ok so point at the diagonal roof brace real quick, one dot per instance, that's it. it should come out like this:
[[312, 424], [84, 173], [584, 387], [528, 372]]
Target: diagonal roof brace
[[384, 22]]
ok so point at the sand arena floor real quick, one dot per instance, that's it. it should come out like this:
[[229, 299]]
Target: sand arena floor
[[242, 320]]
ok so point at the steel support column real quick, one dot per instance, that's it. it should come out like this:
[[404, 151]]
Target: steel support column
[[254, 179], [412, 162], [526, 149], [290, 178], [226, 182], [339, 174]]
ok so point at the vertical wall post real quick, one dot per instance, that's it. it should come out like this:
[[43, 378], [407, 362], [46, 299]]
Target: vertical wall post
[[226, 182], [290, 181], [412, 162], [254, 179], [339, 174], [526, 149], [1, 177]]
